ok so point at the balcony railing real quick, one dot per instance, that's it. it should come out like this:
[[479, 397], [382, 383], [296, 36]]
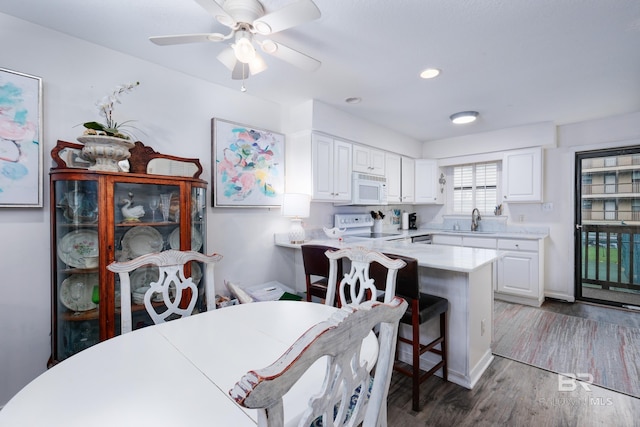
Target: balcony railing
[[611, 256]]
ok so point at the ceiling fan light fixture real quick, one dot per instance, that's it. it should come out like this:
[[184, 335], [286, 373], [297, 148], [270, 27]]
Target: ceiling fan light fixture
[[228, 58], [464, 117], [244, 50], [258, 65]]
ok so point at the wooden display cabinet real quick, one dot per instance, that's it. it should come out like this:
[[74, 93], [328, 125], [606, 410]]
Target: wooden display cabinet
[[90, 229]]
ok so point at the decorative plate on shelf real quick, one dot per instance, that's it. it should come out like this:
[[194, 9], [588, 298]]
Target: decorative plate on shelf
[[143, 276], [76, 291], [141, 280], [196, 239], [76, 245], [141, 240]]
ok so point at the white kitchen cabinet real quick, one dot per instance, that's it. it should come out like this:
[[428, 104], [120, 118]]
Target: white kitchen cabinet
[[400, 174], [427, 188], [393, 173], [464, 240], [479, 242], [368, 160], [522, 175], [407, 182], [520, 272], [331, 166], [446, 239]]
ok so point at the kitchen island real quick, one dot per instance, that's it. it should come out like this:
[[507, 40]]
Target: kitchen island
[[462, 275]]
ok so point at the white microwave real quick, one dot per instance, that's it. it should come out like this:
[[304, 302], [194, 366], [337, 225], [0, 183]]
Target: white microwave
[[368, 189]]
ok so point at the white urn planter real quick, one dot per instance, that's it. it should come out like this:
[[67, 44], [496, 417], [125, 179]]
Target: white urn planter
[[105, 151]]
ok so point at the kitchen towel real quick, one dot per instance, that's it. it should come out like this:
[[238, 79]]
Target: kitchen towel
[[405, 220]]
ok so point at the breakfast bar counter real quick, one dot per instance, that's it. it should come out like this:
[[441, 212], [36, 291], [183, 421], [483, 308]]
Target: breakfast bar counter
[[462, 275]]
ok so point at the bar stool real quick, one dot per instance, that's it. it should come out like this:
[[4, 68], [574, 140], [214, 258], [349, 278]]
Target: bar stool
[[422, 308], [316, 264]]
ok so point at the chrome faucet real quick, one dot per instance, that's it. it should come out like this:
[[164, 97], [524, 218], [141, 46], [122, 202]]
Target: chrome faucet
[[475, 217]]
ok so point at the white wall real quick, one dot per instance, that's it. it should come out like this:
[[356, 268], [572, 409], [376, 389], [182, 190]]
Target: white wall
[[559, 151], [174, 111]]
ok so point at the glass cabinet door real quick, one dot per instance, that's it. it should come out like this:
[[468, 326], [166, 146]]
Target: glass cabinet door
[[147, 219], [76, 290], [199, 233]]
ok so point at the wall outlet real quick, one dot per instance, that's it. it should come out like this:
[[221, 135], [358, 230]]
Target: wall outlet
[[547, 207], [482, 327]]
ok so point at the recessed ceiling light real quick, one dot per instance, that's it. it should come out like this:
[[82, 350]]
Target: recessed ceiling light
[[464, 117], [430, 73], [353, 100]]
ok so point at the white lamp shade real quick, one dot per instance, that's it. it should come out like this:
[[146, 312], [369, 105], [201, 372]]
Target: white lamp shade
[[257, 65], [244, 50], [296, 205], [228, 58]]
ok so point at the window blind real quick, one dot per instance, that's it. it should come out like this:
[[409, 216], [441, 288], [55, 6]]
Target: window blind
[[475, 186]]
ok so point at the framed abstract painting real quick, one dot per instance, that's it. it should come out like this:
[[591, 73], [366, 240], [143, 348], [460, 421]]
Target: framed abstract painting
[[248, 166], [20, 140]]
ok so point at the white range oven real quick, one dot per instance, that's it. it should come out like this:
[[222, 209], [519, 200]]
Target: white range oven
[[359, 225]]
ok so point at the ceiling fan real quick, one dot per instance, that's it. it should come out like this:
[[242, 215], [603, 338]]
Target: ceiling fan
[[247, 19]]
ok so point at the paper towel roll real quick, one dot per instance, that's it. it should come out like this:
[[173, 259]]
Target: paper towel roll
[[405, 220]]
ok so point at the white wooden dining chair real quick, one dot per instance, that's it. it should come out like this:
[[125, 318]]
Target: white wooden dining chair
[[358, 282], [340, 338], [170, 285]]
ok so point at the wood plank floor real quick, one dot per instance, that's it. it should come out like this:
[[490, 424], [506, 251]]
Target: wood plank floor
[[515, 394]]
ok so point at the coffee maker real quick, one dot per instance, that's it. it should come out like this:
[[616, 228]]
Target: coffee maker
[[412, 221]]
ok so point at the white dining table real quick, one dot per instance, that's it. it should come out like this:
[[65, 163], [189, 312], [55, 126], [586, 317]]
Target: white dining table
[[176, 373]]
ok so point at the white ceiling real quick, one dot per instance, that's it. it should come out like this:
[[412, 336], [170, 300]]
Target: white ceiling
[[515, 61]]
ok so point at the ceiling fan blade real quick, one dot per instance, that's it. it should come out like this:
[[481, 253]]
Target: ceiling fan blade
[[217, 12], [187, 38], [292, 56], [289, 16]]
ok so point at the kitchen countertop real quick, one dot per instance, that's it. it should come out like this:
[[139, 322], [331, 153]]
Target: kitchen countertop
[[451, 258]]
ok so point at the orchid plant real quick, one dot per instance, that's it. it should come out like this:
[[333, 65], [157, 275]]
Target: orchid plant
[[105, 106]]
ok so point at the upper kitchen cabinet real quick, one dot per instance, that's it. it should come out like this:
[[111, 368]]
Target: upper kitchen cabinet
[[522, 175], [368, 160], [400, 174], [427, 187], [332, 169], [408, 169], [393, 173]]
